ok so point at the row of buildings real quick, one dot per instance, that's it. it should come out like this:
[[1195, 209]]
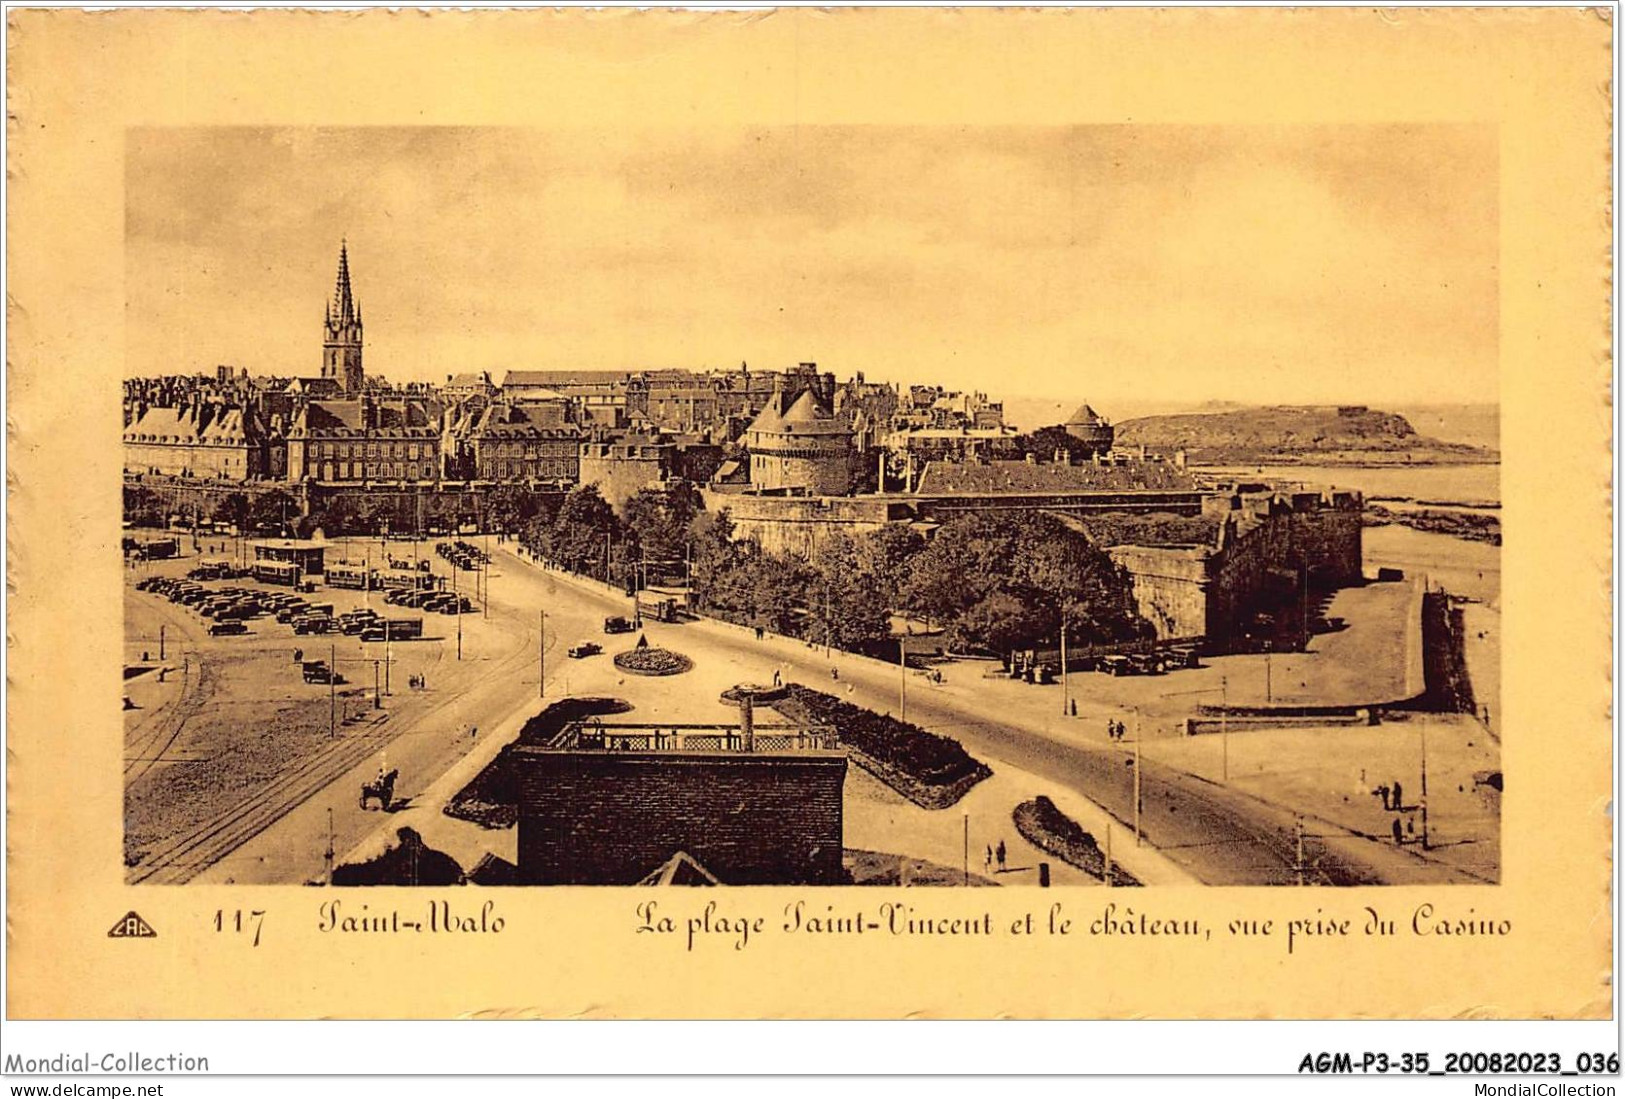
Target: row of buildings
[[796, 430]]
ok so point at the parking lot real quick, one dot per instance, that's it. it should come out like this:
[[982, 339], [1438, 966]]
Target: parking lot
[[236, 685]]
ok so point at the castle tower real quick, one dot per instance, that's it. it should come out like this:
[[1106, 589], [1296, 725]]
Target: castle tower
[[341, 343]]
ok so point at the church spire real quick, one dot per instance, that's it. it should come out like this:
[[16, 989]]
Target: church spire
[[341, 337], [343, 298]]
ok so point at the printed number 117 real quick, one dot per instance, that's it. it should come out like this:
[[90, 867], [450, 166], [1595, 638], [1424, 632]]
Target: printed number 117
[[236, 921]]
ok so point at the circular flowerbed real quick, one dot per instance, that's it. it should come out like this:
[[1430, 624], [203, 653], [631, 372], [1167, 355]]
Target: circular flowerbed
[[650, 661], [757, 691]]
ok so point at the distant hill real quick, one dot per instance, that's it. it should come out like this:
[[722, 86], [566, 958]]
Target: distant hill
[[1323, 434]]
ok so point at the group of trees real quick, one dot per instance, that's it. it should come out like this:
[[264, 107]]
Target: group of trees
[[503, 508], [994, 581], [1002, 581], [649, 539]]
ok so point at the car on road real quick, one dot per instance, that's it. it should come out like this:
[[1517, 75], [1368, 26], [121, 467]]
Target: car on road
[[317, 671], [585, 649], [223, 628], [617, 624]]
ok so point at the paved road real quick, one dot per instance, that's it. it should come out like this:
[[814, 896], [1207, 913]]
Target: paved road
[[1219, 835]]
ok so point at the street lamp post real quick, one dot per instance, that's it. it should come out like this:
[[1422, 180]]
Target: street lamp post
[[1066, 683], [902, 679], [332, 690], [1139, 731], [1425, 844], [967, 847], [1224, 726]]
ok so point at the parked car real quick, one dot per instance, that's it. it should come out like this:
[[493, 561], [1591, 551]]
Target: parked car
[[223, 628], [1116, 665], [312, 623], [585, 649]]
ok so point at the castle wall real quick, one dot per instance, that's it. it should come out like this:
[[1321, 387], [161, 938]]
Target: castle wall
[[619, 475], [797, 526], [1170, 586], [1270, 539]]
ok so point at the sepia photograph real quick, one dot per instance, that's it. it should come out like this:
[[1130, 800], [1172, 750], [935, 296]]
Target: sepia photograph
[[810, 518], [658, 523]]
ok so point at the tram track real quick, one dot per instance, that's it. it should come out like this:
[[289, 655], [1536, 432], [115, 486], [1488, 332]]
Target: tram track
[[186, 856]]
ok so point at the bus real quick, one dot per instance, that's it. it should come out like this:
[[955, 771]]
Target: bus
[[285, 573], [358, 577], [410, 579], [399, 629]]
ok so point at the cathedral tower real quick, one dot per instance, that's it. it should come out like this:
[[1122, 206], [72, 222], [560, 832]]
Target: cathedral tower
[[341, 343]]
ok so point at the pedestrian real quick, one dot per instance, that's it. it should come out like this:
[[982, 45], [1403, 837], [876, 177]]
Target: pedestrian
[[1399, 799], [778, 678], [145, 656], [759, 633], [1383, 792], [1111, 729], [835, 674], [1399, 833], [1074, 707], [473, 732], [999, 854], [1410, 827], [298, 655], [850, 688], [987, 864]]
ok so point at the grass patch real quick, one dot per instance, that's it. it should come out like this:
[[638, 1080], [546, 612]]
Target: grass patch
[[1052, 831], [930, 770]]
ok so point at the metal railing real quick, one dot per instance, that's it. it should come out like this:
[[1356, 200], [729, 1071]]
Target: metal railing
[[768, 738]]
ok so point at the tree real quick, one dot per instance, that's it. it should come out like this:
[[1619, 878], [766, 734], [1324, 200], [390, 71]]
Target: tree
[[843, 599], [999, 578], [142, 506], [713, 562], [778, 588], [505, 507], [273, 511], [658, 519], [1044, 442], [582, 531], [883, 558], [232, 508], [1000, 623]]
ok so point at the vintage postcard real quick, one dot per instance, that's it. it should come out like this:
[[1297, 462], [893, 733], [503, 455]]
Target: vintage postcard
[[861, 514]]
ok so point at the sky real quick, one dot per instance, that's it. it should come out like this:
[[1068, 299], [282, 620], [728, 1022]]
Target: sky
[[1125, 263]]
